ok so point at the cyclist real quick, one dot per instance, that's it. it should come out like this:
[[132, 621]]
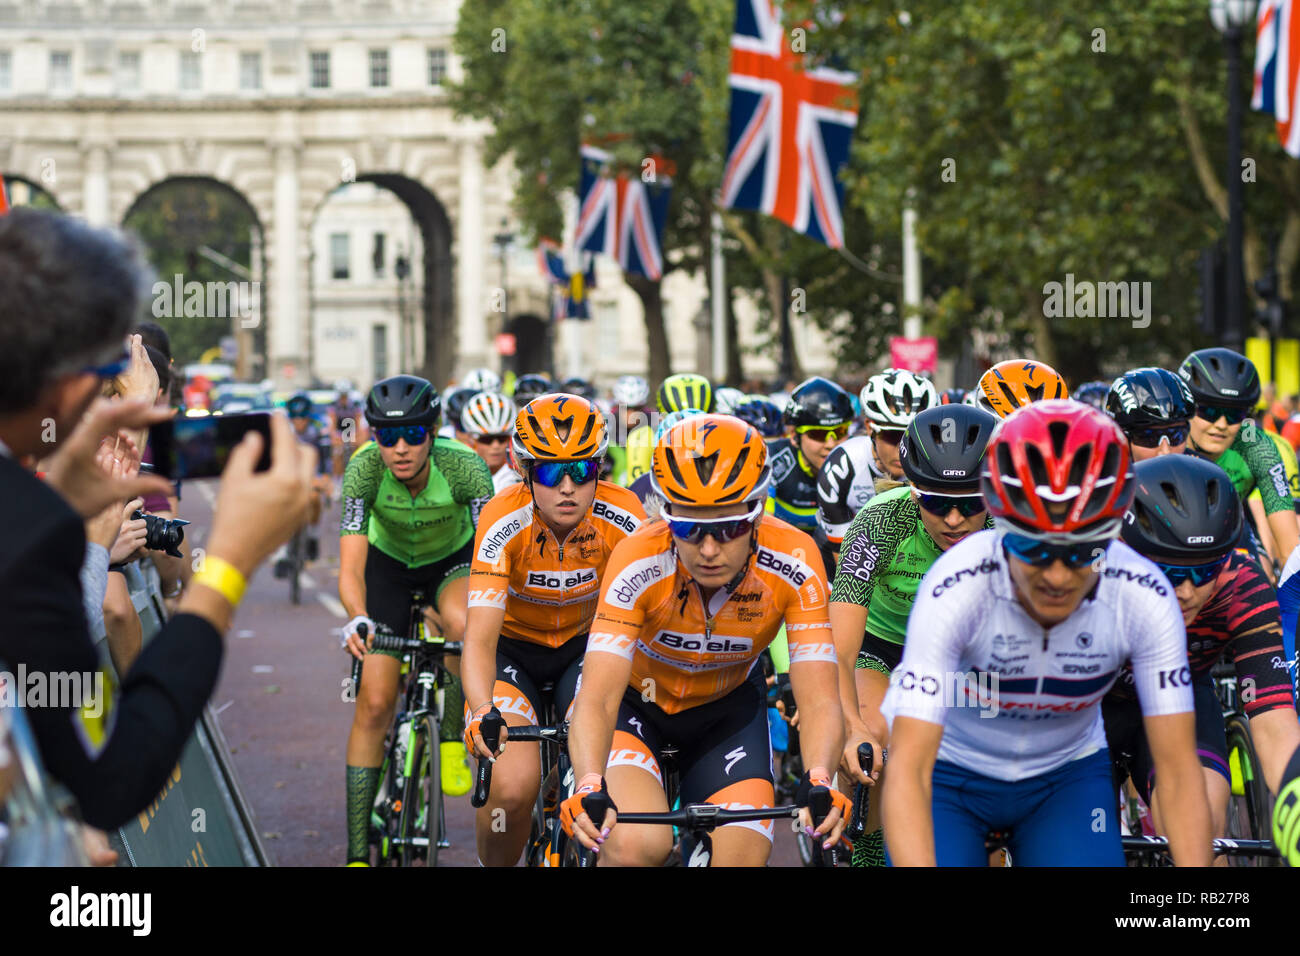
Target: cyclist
[[482, 380], [539, 556], [763, 415], [531, 386], [855, 469], [347, 425], [675, 393], [1092, 393], [727, 399], [889, 546], [1186, 517], [1015, 383], [410, 504], [631, 395], [817, 418], [688, 604], [489, 419], [1225, 387], [580, 387], [1031, 603], [1152, 407], [643, 487], [454, 400], [952, 396], [310, 432]]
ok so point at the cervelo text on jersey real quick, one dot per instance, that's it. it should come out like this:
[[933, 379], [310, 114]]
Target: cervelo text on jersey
[[1015, 699], [548, 588], [653, 614]]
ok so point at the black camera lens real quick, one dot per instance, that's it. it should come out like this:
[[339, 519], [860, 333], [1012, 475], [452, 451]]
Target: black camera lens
[[162, 534]]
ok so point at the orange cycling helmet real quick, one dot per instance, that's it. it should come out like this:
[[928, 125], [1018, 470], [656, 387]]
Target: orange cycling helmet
[[559, 427], [1014, 384], [708, 460]]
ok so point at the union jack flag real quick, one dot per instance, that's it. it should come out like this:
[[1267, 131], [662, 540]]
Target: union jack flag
[[1277, 69], [569, 292], [622, 216], [791, 128]]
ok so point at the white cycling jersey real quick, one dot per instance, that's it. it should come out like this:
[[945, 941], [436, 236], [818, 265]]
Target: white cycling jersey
[[504, 477], [846, 482], [1015, 700]]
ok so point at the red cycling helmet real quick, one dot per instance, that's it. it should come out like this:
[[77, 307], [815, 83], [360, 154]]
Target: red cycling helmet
[[1063, 453]]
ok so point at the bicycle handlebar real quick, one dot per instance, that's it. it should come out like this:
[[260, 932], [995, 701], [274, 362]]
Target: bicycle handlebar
[[861, 794], [1221, 847], [490, 728]]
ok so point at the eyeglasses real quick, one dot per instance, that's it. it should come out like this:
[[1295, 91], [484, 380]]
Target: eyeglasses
[[939, 505], [1151, 437], [492, 439], [1198, 574], [890, 436], [823, 435], [413, 434], [720, 529], [1040, 554], [110, 369], [550, 473], [1212, 413]]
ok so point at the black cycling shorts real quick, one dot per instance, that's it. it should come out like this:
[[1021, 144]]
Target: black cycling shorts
[[879, 655], [720, 744], [389, 584], [1126, 737], [522, 670]]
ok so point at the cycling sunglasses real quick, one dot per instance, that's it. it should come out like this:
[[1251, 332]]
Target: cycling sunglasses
[[823, 435], [890, 436], [939, 505], [1198, 574], [390, 436], [1212, 413], [492, 439], [720, 529], [1041, 554], [1151, 437], [550, 473]]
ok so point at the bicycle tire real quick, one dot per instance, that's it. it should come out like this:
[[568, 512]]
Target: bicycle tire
[[421, 815], [381, 817], [1250, 812]]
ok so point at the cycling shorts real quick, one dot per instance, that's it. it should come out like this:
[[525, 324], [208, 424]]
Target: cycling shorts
[[524, 668], [1051, 819], [1127, 737], [724, 752], [879, 655], [389, 584]]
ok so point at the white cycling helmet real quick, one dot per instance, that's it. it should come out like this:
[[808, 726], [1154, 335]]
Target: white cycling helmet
[[488, 413], [726, 399], [482, 380], [973, 400], [892, 398], [343, 386], [631, 391]]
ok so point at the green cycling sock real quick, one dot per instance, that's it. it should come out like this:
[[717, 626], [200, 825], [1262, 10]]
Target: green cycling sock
[[869, 849], [362, 784], [453, 711]]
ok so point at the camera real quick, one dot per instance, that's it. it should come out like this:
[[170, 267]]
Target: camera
[[162, 534]]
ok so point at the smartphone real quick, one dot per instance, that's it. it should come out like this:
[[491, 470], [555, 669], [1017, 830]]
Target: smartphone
[[188, 448]]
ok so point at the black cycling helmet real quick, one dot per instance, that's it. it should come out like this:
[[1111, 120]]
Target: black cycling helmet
[[579, 386], [1148, 398], [943, 446], [299, 405], [1221, 377], [456, 401], [1185, 509], [1092, 393], [402, 400], [531, 386], [818, 402], [762, 414], [952, 396]]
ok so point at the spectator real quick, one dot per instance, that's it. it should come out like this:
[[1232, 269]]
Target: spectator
[[68, 294]]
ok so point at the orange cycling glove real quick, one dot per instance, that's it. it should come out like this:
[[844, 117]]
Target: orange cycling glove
[[818, 777], [572, 807], [474, 726]]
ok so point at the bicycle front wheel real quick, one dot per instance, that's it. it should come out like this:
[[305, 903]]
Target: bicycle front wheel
[[1250, 805], [421, 816]]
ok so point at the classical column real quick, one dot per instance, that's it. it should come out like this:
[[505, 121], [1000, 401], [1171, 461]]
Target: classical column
[[285, 334], [94, 189], [470, 291]]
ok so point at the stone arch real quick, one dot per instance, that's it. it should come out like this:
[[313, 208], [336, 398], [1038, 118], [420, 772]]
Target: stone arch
[[533, 347], [10, 179]]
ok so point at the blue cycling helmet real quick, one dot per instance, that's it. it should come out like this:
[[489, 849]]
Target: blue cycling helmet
[[763, 415]]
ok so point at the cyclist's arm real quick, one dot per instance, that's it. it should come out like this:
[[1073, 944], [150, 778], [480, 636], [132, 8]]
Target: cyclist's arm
[[1265, 464], [1256, 506], [1276, 735], [467, 476], [905, 803], [1185, 809], [489, 580], [360, 486], [352, 573], [834, 483]]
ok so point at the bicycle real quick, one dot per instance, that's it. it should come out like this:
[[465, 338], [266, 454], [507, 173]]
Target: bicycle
[[547, 840], [302, 547], [1250, 804], [408, 822]]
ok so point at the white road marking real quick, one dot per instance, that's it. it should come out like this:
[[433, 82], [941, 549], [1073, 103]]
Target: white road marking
[[306, 579], [205, 489], [263, 668], [244, 634], [332, 604], [218, 711]]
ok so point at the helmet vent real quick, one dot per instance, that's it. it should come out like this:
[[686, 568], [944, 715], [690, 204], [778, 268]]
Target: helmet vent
[[563, 426], [704, 466], [1058, 432], [1171, 495], [1008, 394], [737, 468], [1212, 495]]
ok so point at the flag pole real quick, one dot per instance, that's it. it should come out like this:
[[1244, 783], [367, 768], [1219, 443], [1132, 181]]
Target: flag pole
[[911, 274], [718, 295], [572, 265]]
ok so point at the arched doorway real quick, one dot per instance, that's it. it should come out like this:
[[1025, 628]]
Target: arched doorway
[[23, 192], [532, 344]]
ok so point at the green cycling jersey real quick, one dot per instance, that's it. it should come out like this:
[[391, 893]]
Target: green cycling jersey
[[1252, 461], [422, 528], [885, 553]]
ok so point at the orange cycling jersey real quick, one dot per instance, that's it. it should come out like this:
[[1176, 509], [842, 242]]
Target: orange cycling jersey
[[547, 587], [652, 613]]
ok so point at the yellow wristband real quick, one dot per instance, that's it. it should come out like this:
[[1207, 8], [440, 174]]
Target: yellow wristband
[[223, 577]]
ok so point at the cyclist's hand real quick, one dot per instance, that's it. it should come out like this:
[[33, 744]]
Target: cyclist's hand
[[574, 818], [352, 640], [474, 742], [841, 807], [856, 734]]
